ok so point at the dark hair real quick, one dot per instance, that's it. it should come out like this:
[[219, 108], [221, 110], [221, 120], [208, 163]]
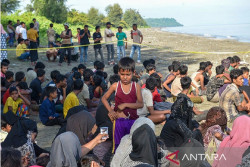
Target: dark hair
[[78, 84], [9, 74], [39, 65], [28, 69], [235, 73], [88, 73], [220, 69], [100, 65], [9, 21], [49, 90], [22, 85], [236, 58], [20, 40], [40, 72], [60, 78], [81, 66], [6, 61], [43, 161], [157, 78], [150, 67], [209, 63], [31, 25], [203, 66], [126, 63], [51, 25], [34, 19], [22, 23], [176, 62], [176, 67], [100, 73], [171, 68], [53, 74], [3, 122], [12, 89], [97, 80], [225, 63], [86, 26], [114, 78], [87, 159], [78, 28], [96, 62], [244, 70], [185, 82], [74, 69], [97, 27], [183, 70], [18, 20], [115, 69], [232, 60], [135, 25], [19, 76], [11, 157], [152, 61], [105, 75], [3, 64], [146, 63], [151, 83], [77, 75]]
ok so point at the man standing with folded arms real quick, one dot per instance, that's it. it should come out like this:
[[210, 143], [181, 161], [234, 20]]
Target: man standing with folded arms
[[137, 37], [108, 34]]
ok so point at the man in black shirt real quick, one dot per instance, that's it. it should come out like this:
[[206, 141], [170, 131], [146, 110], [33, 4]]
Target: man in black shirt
[[36, 87], [84, 40], [97, 37]]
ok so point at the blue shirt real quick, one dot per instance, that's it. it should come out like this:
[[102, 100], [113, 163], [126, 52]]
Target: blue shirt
[[47, 109], [246, 83], [50, 83]]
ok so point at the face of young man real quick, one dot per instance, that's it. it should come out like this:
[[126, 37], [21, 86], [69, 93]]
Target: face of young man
[[4, 69], [238, 81], [125, 76], [54, 95]]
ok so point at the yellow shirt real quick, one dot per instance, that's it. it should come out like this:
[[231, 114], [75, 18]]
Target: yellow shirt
[[14, 104], [32, 34], [70, 102], [19, 52]]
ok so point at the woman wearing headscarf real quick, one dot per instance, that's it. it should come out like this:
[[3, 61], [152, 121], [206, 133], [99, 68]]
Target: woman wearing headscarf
[[233, 147], [66, 150], [214, 127], [81, 124], [4, 37], [144, 148], [125, 147]]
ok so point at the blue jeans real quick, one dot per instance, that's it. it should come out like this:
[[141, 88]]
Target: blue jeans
[[25, 55], [134, 47], [11, 39], [85, 50], [120, 50]]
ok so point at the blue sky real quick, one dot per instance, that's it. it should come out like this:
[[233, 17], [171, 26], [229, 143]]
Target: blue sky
[[187, 12]]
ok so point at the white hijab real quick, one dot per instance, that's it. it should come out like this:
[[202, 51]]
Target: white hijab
[[125, 147]]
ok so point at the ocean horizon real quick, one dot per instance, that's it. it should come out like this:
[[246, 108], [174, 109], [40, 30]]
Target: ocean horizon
[[239, 32]]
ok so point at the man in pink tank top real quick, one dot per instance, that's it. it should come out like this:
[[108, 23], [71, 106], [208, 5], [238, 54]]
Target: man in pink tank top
[[128, 99]]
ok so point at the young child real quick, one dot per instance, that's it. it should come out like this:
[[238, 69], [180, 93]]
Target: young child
[[15, 102], [47, 112], [97, 37], [174, 71], [4, 69], [9, 79], [72, 99], [148, 108], [150, 69], [98, 92], [95, 65], [128, 99], [51, 53], [245, 76], [22, 54], [120, 44]]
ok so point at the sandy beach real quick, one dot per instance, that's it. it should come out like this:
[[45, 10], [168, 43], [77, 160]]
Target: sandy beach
[[158, 45]]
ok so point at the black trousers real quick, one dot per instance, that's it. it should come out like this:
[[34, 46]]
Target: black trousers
[[64, 52], [33, 53], [57, 121], [38, 41]]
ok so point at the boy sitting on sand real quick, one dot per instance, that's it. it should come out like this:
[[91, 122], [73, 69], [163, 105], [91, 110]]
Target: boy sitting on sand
[[128, 99], [51, 53]]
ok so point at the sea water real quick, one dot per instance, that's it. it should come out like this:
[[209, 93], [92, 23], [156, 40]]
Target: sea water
[[239, 32]]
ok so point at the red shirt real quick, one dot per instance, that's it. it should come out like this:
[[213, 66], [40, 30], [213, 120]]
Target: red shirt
[[156, 94]]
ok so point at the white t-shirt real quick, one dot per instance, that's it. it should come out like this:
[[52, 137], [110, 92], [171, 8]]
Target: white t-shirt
[[84, 94], [147, 101], [24, 32], [18, 29], [107, 32]]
